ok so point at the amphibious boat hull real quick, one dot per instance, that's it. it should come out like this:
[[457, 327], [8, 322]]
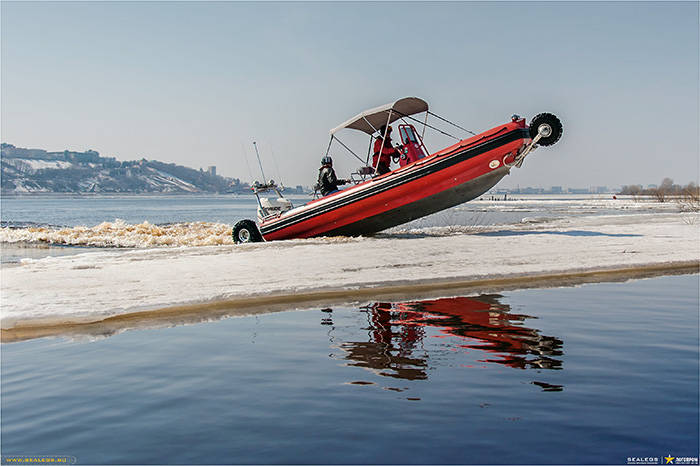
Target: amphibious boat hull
[[445, 179]]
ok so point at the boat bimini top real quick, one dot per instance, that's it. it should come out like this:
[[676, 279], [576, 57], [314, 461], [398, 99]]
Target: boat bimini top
[[371, 120]]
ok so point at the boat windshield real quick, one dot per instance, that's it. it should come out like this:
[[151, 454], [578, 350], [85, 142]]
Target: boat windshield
[[407, 134]]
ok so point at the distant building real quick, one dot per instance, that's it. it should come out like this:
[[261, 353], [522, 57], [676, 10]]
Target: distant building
[[530, 190], [556, 190], [9, 151], [211, 170]]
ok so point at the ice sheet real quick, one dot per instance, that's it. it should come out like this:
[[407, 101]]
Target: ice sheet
[[101, 284]]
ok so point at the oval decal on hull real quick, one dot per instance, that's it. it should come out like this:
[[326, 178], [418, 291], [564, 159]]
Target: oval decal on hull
[[494, 164]]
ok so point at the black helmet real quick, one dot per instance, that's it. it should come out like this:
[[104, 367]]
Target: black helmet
[[384, 129], [326, 160]]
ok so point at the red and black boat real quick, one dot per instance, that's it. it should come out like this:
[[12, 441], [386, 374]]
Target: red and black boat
[[423, 183]]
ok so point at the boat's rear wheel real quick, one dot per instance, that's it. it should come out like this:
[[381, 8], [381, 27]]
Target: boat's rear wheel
[[246, 231], [548, 126]]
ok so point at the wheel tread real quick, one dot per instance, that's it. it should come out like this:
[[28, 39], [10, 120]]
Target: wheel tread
[[551, 120], [255, 236]]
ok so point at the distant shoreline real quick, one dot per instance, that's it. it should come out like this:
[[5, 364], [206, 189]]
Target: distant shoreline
[[144, 194], [485, 197], [252, 305]]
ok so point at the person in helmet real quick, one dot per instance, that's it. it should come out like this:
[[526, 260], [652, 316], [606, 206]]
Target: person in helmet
[[327, 181], [383, 151]]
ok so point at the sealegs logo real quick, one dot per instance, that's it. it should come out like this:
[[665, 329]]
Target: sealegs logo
[[643, 460], [663, 460]]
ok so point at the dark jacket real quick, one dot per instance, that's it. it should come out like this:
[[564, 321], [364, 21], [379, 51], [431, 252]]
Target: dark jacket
[[327, 181]]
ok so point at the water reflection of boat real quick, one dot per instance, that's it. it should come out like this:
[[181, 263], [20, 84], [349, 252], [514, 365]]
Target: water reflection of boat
[[396, 334]]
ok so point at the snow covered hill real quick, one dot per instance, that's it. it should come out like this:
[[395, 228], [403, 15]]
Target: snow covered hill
[[39, 171]]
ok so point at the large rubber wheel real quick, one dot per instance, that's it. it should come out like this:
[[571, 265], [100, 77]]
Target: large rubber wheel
[[246, 231], [550, 124]]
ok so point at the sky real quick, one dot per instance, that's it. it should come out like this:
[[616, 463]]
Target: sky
[[195, 83]]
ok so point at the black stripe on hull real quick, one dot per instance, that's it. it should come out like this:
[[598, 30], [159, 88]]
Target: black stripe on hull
[[429, 205], [401, 178]]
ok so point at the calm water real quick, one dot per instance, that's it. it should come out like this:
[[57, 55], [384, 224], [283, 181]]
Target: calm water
[[91, 210], [593, 374], [66, 210]]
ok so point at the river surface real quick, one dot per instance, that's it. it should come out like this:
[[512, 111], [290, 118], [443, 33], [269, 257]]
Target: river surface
[[596, 374]]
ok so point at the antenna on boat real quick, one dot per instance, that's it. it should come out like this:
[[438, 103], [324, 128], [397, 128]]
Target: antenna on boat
[[245, 157], [259, 162]]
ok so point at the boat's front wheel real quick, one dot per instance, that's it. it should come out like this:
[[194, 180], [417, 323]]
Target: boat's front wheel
[[246, 231], [548, 127]]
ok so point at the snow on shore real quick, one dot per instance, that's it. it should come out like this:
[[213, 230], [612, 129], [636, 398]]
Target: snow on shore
[[101, 284]]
